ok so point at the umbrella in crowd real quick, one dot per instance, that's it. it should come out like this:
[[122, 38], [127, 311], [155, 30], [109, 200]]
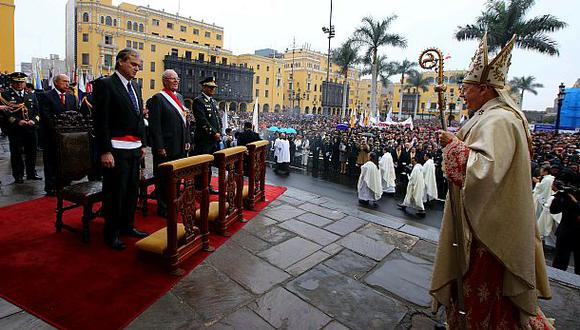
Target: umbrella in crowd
[[273, 129], [342, 127]]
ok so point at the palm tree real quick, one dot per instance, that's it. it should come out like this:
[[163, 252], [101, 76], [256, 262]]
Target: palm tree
[[374, 34], [385, 69], [502, 19], [520, 85], [417, 81], [404, 68], [345, 56]]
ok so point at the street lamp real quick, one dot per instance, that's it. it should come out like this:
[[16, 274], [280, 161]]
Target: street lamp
[[561, 95], [331, 32]]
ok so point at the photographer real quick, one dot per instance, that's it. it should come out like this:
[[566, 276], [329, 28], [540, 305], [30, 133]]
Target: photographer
[[568, 232]]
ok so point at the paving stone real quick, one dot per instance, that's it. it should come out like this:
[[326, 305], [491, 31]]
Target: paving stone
[[168, 313], [242, 319], [246, 269], [390, 236], [284, 310], [322, 211], [210, 293], [350, 264], [259, 223], [383, 219], [564, 306], [404, 275], [423, 232], [307, 263], [319, 201], [283, 212], [290, 200], [310, 232], [250, 242], [334, 325], [350, 302], [289, 252], [7, 308], [300, 194], [366, 246], [23, 320], [314, 219], [422, 322], [345, 225], [564, 277], [273, 234], [425, 250], [332, 248]]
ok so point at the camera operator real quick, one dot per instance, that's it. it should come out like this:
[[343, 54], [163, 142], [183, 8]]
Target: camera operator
[[568, 232]]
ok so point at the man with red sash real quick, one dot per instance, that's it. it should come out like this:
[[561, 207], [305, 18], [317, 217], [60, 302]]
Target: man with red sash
[[168, 130]]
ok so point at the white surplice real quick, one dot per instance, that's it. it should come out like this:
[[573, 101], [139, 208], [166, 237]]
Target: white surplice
[[541, 192], [415, 189], [282, 151], [387, 168], [369, 183], [430, 181]]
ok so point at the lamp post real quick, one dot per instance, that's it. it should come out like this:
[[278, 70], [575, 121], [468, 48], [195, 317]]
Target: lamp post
[[331, 32], [561, 95]]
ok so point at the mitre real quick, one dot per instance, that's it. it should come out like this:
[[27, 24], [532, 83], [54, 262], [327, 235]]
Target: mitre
[[493, 73]]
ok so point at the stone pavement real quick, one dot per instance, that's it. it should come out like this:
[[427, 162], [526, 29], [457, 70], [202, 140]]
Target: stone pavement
[[307, 262]]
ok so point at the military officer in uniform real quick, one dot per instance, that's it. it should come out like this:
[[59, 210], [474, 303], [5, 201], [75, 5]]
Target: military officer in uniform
[[207, 121], [20, 119]]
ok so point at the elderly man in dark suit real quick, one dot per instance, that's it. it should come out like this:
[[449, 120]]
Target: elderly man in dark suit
[[52, 103], [168, 130], [120, 134], [207, 121]]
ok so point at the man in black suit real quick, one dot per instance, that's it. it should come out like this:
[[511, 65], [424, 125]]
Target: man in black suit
[[53, 103], [120, 134], [20, 122], [207, 121], [168, 130], [248, 135]]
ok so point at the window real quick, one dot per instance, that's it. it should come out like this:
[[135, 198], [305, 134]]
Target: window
[[155, 22], [308, 86], [224, 60], [169, 37], [152, 84], [141, 46], [85, 17], [108, 60], [170, 25], [257, 93], [135, 26], [108, 21], [267, 81], [128, 43], [258, 67], [213, 59], [183, 28], [188, 54], [267, 68], [153, 48], [195, 42], [257, 80], [266, 93], [155, 33], [85, 60], [129, 25], [182, 39], [278, 82], [174, 52], [218, 36], [315, 87], [208, 34], [102, 20], [108, 40], [278, 70], [85, 37], [115, 22], [201, 57], [135, 45], [141, 27], [196, 32]]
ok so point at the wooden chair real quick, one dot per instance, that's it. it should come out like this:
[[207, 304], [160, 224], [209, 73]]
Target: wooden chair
[[178, 241], [146, 179], [228, 209], [74, 161], [256, 173]]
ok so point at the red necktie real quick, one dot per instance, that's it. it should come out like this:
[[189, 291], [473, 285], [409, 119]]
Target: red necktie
[[62, 99]]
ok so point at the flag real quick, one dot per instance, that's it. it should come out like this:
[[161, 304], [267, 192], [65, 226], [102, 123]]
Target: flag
[[461, 120], [366, 118], [390, 115], [224, 121], [353, 119], [50, 78], [38, 79], [81, 90], [448, 56], [409, 121], [255, 117]]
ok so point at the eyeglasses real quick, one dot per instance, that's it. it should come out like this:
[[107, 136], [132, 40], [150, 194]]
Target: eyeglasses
[[173, 79]]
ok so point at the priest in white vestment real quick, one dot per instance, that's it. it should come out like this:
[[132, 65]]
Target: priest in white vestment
[[282, 154], [429, 178], [543, 189], [387, 168], [415, 189], [369, 185], [548, 222]]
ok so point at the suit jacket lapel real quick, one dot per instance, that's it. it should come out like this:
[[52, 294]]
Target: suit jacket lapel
[[124, 93], [56, 98]]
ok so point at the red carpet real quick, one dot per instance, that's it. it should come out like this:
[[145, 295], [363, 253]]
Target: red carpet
[[82, 286]]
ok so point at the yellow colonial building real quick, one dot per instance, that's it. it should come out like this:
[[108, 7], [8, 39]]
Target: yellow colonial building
[[97, 31], [7, 36], [426, 101], [268, 84]]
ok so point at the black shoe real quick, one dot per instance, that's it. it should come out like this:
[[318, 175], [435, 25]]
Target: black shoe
[[421, 214], [213, 191], [33, 177], [18, 180], [402, 207], [134, 233], [116, 244]]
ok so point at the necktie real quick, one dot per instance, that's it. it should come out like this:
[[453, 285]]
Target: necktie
[[62, 99], [132, 97]]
